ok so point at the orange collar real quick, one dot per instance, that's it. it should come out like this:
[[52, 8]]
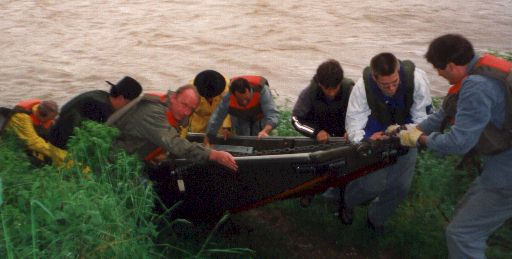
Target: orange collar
[[454, 89], [36, 121]]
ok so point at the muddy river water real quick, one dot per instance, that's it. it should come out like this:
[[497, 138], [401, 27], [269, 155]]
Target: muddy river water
[[57, 49]]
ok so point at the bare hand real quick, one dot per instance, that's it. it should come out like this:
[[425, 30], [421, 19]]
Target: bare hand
[[262, 134], [224, 158], [206, 141], [265, 131], [322, 136], [379, 136], [226, 133]]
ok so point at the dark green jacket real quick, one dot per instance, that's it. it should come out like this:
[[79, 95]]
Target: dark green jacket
[[144, 128], [93, 105]]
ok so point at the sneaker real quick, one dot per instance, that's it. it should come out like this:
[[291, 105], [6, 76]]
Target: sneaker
[[346, 215], [377, 229]]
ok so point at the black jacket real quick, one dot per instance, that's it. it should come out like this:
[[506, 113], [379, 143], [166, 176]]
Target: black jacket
[[313, 112]]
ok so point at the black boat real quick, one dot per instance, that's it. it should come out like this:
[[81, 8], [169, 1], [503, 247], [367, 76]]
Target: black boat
[[271, 169]]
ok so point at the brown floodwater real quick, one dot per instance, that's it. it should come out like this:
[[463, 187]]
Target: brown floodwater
[[57, 49]]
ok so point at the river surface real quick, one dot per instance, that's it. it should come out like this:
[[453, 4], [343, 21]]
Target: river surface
[[56, 49]]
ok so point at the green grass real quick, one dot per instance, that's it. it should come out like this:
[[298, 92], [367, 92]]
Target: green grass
[[53, 212], [100, 207]]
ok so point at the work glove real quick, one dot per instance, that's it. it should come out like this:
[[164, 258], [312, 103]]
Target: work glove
[[392, 129], [58, 155], [409, 137]]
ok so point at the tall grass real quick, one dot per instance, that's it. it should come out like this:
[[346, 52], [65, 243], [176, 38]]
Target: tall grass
[[98, 206], [53, 212]]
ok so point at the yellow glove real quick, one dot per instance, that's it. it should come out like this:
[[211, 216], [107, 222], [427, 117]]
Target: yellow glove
[[392, 129], [409, 138], [57, 155]]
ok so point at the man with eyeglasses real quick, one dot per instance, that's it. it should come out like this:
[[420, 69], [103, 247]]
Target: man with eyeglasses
[[150, 128], [390, 92]]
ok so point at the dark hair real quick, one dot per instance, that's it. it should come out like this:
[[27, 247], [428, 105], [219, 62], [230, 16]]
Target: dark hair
[[128, 87], [239, 85], [329, 74], [449, 48], [384, 64], [47, 107]]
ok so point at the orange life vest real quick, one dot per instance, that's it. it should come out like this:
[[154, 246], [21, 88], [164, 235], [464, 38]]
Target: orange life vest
[[492, 140], [27, 106]]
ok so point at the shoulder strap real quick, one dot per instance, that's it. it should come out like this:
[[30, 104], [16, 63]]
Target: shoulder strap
[[501, 70], [408, 68]]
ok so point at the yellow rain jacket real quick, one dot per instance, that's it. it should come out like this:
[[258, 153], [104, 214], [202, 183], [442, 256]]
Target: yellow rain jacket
[[23, 126], [198, 121]]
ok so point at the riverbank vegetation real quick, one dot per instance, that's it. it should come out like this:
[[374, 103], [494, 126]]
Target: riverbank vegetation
[[100, 206], [68, 213]]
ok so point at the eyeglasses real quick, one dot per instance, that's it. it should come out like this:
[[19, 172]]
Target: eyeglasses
[[393, 83], [187, 106]]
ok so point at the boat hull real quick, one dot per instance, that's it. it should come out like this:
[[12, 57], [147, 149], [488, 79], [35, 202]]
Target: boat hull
[[279, 168]]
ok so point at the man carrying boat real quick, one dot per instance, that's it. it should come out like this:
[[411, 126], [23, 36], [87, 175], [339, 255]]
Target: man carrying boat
[[318, 110], [250, 104], [95, 105], [149, 129], [320, 106], [31, 121], [390, 92], [479, 107]]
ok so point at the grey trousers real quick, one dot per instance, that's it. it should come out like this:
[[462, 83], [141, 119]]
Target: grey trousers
[[479, 213], [384, 189]]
